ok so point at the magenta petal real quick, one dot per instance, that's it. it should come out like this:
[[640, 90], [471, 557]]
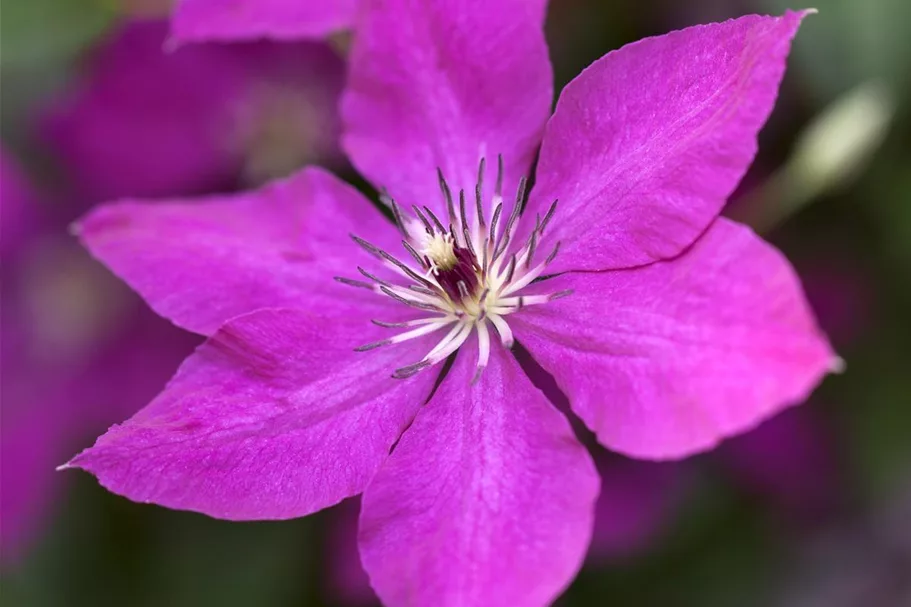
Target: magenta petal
[[442, 84], [226, 20], [488, 499], [666, 360], [274, 417], [647, 144], [201, 263]]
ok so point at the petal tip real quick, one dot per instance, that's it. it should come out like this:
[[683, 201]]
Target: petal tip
[[837, 365]]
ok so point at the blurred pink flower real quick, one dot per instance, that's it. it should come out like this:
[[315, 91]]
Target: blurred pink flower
[[790, 461], [681, 329], [221, 20], [840, 292], [146, 122], [78, 352]]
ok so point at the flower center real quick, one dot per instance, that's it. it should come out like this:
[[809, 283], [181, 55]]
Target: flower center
[[466, 275]]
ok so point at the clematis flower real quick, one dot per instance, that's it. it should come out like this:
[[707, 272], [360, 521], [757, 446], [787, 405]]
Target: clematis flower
[[144, 122], [323, 374], [78, 352], [225, 20], [229, 20]]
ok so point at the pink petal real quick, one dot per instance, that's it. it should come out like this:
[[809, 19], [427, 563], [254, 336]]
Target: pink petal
[[442, 84], [488, 499], [227, 20], [666, 360], [201, 263], [274, 417], [647, 144]]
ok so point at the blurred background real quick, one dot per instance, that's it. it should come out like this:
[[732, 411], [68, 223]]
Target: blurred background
[[812, 509]]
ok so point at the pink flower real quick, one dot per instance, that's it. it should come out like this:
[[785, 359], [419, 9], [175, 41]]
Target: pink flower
[[78, 352], [208, 20], [667, 327], [144, 122]]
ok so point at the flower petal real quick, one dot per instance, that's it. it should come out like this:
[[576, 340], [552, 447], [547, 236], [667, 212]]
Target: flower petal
[[201, 263], [647, 143], [666, 360], [488, 499], [443, 83], [227, 20], [274, 417]]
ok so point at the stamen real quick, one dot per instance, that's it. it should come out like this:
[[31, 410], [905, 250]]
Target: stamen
[[463, 214], [423, 219], [367, 246], [532, 244], [414, 254], [548, 216], [381, 254], [410, 370], [494, 222], [553, 254], [483, 350], [465, 272], [498, 189], [410, 302], [387, 200], [397, 339], [413, 323], [479, 193], [447, 196], [373, 346], [436, 222], [510, 270], [353, 283], [503, 329]]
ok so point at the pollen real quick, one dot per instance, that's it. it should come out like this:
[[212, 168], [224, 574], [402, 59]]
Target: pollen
[[465, 275], [440, 250]]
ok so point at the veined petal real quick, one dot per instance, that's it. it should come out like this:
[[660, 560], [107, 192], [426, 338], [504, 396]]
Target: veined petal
[[647, 144], [441, 84], [274, 417], [200, 263], [227, 20], [488, 499], [666, 360]]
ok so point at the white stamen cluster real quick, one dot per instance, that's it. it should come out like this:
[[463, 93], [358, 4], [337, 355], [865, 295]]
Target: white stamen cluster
[[465, 277]]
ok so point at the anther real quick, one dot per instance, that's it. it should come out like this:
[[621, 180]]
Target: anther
[[479, 192], [462, 211], [553, 254], [436, 221], [414, 254], [410, 370], [423, 219], [532, 245], [548, 216], [409, 302], [373, 346], [375, 279], [447, 195], [389, 325], [353, 283], [557, 295], [510, 270], [367, 246]]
